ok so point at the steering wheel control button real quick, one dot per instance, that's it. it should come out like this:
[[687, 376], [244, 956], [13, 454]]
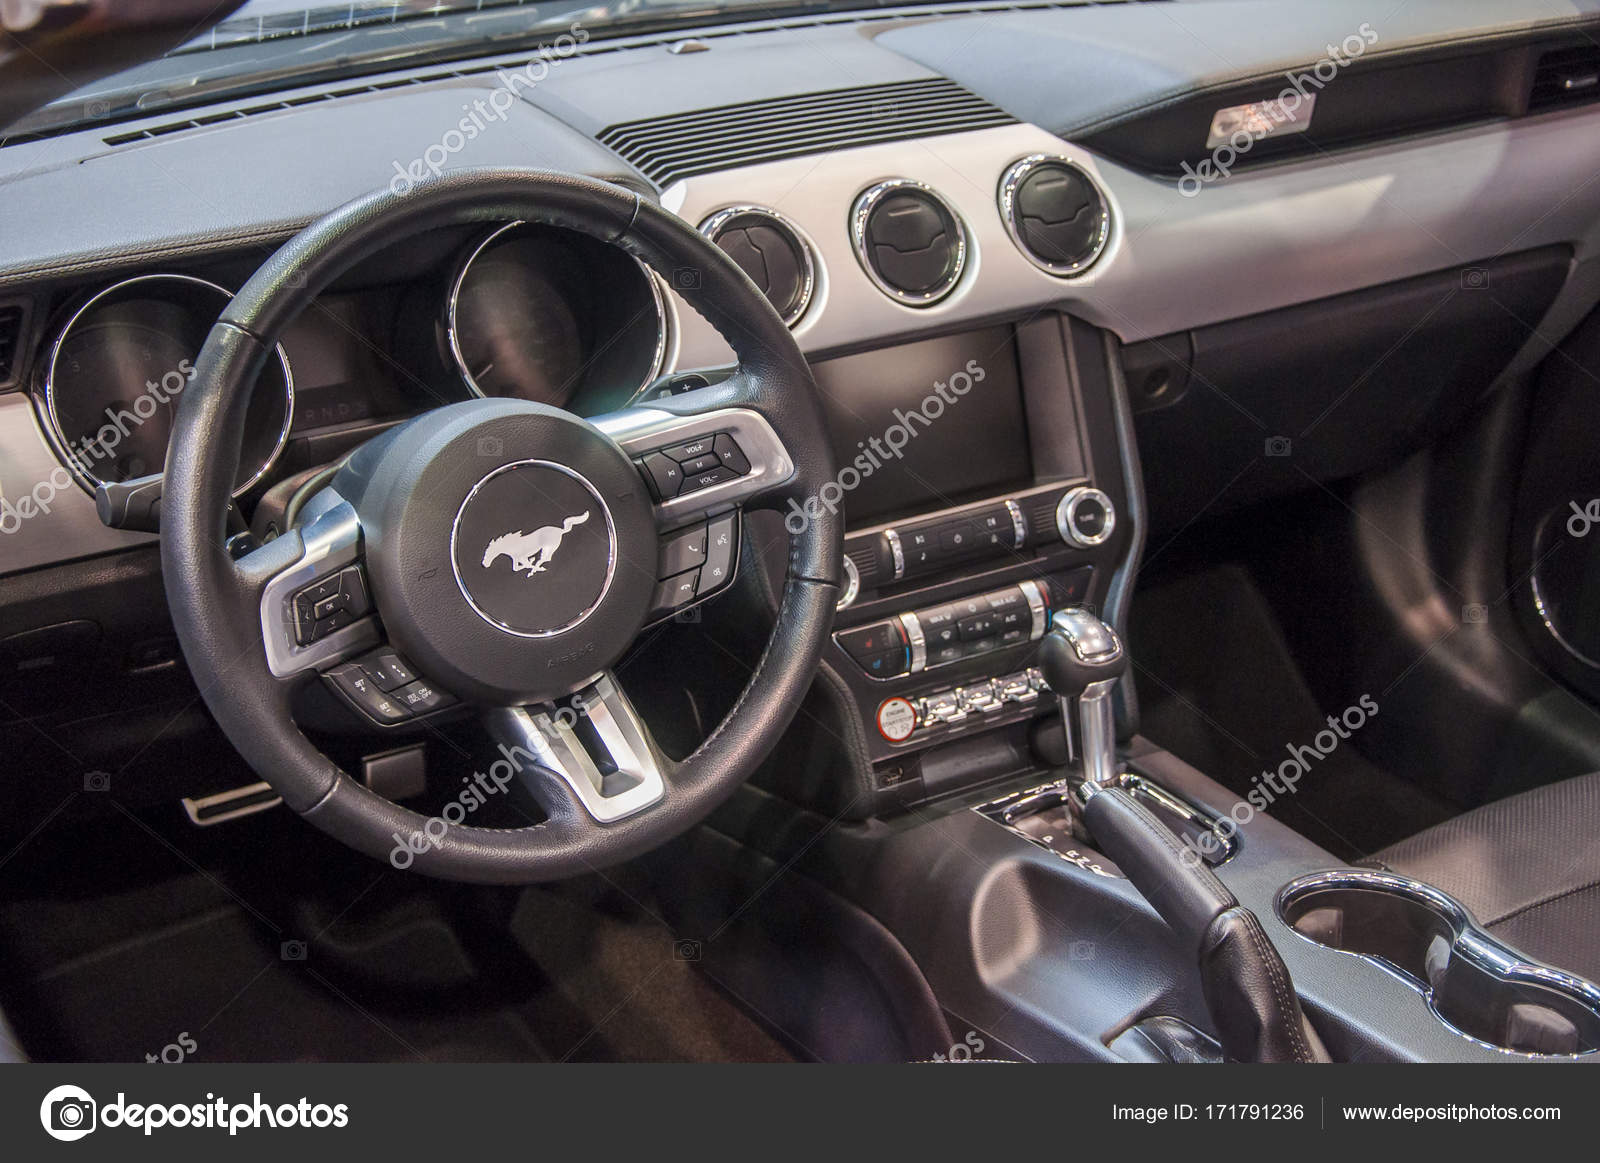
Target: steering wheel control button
[[355, 684], [1085, 517], [664, 473], [716, 476], [533, 548], [730, 454], [683, 551], [700, 446], [694, 465], [722, 547], [329, 605], [389, 670], [676, 592], [419, 698], [897, 719]]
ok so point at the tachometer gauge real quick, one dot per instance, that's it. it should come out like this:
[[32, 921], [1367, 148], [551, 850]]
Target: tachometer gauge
[[120, 366], [544, 314]]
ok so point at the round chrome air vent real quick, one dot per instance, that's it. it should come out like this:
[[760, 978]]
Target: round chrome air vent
[[910, 241], [1055, 213], [772, 251]]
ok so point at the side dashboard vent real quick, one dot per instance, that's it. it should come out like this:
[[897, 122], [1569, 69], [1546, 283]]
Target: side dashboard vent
[[669, 149], [1566, 76], [11, 316]]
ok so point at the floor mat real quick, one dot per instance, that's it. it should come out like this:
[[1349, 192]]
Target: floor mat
[[1218, 687], [314, 954]]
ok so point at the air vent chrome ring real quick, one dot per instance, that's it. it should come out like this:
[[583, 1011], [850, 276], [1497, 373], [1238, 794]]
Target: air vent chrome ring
[[1079, 260], [861, 216], [793, 311]]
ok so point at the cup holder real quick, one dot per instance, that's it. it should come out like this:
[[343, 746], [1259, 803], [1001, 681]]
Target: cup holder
[[1477, 986]]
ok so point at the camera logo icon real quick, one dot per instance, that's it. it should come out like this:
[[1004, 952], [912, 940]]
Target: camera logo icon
[[686, 949], [68, 1113], [1279, 446], [685, 279]]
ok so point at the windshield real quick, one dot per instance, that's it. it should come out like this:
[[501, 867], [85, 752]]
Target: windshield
[[277, 44]]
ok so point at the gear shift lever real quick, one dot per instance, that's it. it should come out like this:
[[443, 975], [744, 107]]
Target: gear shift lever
[[1082, 659], [1246, 985]]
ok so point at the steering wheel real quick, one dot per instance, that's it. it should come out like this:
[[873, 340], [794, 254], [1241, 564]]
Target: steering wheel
[[507, 550]]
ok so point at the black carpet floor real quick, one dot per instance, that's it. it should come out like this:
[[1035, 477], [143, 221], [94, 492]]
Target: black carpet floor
[[260, 941], [1219, 687]]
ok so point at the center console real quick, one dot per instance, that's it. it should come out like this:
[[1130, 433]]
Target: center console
[[1050, 893], [982, 483]]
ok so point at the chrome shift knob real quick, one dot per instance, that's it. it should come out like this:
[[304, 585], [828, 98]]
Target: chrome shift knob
[[1083, 659]]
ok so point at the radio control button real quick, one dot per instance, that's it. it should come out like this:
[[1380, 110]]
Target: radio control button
[[1085, 517], [666, 478], [957, 537], [730, 454], [699, 464], [691, 449]]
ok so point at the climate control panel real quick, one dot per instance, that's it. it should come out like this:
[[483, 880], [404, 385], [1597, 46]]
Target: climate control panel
[[919, 640]]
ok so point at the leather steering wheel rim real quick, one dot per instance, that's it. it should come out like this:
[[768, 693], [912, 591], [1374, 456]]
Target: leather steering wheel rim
[[215, 600]]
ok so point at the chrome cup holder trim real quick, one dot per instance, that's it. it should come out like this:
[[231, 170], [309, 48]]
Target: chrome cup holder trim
[[1469, 942]]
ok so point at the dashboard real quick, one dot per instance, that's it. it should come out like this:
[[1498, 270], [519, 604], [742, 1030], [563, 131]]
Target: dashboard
[[1005, 287], [534, 313]]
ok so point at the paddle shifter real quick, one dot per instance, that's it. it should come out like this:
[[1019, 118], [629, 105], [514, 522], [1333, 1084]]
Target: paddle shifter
[[1082, 659], [1245, 983]]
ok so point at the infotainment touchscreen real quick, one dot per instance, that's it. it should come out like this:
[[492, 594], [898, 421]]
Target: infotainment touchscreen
[[925, 425]]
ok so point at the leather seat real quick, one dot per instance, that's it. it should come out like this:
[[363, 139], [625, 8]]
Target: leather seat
[[1528, 867]]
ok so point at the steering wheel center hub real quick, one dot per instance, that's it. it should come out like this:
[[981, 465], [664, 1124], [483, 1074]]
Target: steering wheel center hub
[[534, 548], [511, 547]]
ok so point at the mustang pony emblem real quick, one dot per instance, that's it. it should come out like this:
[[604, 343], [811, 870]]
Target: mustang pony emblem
[[531, 551]]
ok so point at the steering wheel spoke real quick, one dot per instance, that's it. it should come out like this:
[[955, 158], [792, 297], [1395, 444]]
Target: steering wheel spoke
[[594, 745], [317, 610], [701, 463]]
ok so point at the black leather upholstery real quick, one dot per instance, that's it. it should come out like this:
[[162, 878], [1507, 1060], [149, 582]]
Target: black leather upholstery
[[1528, 867], [1246, 984]]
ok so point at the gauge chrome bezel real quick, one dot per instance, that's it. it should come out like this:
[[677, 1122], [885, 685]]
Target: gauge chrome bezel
[[664, 328], [58, 440]]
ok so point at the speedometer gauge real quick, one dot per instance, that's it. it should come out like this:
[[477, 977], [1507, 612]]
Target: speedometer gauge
[[118, 371], [550, 315]]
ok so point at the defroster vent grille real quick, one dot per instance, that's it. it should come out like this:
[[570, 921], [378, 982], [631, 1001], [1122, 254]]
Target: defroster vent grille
[[668, 149]]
